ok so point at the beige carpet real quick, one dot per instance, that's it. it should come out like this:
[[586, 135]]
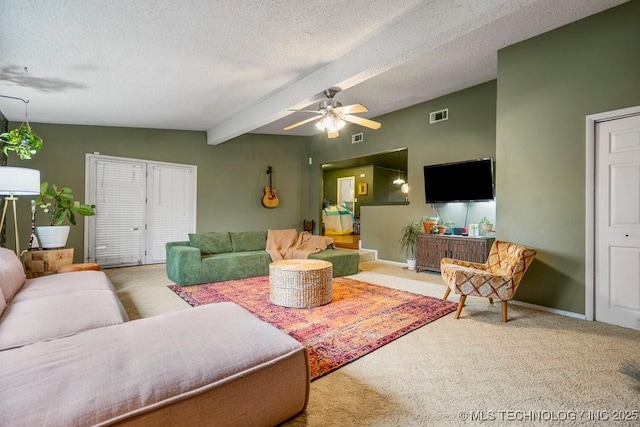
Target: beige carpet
[[538, 366]]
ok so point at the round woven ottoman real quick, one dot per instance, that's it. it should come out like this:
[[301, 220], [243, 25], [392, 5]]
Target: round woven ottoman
[[300, 283]]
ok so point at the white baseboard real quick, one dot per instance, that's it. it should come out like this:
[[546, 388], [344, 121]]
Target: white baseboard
[[386, 261], [375, 251], [515, 302], [549, 309]]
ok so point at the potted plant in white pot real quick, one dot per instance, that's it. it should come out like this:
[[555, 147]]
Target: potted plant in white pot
[[408, 240], [58, 204]]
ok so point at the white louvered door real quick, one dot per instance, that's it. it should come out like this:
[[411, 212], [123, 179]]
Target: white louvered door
[[170, 216], [140, 206]]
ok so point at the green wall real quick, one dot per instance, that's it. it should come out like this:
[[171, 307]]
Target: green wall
[[385, 192], [231, 176], [468, 134], [546, 87]]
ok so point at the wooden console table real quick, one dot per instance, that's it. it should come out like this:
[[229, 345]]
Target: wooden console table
[[46, 261], [431, 248]]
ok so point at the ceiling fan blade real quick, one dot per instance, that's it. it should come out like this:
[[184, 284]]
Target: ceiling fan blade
[[362, 122], [295, 125], [333, 134], [305, 111], [354, 108]]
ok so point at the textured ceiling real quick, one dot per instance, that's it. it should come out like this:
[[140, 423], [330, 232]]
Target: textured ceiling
[[232, 67]]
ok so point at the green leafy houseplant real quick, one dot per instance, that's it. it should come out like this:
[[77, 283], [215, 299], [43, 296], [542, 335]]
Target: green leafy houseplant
[[58, 203], [409, 238], [485, 224], [22, 141]]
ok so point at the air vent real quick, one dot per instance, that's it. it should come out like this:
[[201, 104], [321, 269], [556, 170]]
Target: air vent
[[438, 116], [357, 137]]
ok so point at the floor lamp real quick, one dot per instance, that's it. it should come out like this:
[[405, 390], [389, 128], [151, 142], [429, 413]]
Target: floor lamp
[[17, 182]]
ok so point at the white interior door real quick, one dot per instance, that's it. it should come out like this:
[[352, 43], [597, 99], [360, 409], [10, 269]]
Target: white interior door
[[140, 205], [117, 188], [171, 215], [346, 192], [617, 240]]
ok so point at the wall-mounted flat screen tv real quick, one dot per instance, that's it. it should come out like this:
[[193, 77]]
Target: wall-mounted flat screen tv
[[467, 181]]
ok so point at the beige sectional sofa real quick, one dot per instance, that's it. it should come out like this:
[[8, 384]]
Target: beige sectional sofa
[[69, 356]]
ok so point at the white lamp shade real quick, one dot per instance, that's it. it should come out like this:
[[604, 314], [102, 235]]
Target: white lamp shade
[[19, 181]]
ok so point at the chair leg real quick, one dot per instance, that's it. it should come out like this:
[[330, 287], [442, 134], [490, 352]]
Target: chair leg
[[460, 305], [504, 311], [446, 293], [490, 300]]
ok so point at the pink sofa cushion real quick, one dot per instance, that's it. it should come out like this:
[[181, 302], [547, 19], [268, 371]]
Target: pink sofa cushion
[[12, 275], [55, 316], [58, 284]]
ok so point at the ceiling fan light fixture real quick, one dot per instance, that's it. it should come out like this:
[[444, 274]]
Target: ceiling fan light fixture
[[398, 181], [332, 116], [330, 124]]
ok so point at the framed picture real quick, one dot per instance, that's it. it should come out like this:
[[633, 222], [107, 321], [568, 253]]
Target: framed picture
[[362, 188]]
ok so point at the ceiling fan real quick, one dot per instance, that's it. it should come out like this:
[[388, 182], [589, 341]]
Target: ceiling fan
[[332, 116]]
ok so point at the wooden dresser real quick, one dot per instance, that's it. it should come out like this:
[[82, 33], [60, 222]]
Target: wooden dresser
[[431, 248]]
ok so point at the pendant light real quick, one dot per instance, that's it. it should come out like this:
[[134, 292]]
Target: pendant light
[[398, 180]]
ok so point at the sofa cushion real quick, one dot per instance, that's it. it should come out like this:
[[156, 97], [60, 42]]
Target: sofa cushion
[[245, 241], [345, 262], [12, 275], [55, 316], [236, 265], [58, 284], [211, 243]]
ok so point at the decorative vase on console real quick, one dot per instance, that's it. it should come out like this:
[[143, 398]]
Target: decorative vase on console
[[485, 226], [429, 224]]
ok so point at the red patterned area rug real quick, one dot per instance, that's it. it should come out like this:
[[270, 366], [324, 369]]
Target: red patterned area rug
[[361, 317]]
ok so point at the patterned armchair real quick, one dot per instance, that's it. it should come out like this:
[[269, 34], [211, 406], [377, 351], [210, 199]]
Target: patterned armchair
[[498, 278]]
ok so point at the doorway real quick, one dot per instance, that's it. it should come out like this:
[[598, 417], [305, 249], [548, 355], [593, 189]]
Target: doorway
[[613, 218], [140, 205], [373, 175], [346, 192]]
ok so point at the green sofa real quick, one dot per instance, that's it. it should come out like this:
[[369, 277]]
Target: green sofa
[[219, 256]]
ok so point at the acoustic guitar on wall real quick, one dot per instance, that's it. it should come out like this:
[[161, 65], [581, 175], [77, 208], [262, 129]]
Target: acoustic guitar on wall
[[270, 199]]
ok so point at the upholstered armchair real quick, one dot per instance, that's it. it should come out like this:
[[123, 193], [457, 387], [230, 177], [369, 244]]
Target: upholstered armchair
[[498, 278]]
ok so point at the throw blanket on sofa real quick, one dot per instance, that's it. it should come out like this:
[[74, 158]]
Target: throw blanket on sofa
[[288, 244]]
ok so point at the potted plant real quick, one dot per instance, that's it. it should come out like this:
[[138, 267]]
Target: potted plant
[[59, 205], [430, 224], [485, 225], [449, 226], [408, 240], [22, 141]]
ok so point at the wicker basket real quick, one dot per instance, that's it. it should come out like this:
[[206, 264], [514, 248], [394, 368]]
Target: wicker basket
[[300, 283]]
